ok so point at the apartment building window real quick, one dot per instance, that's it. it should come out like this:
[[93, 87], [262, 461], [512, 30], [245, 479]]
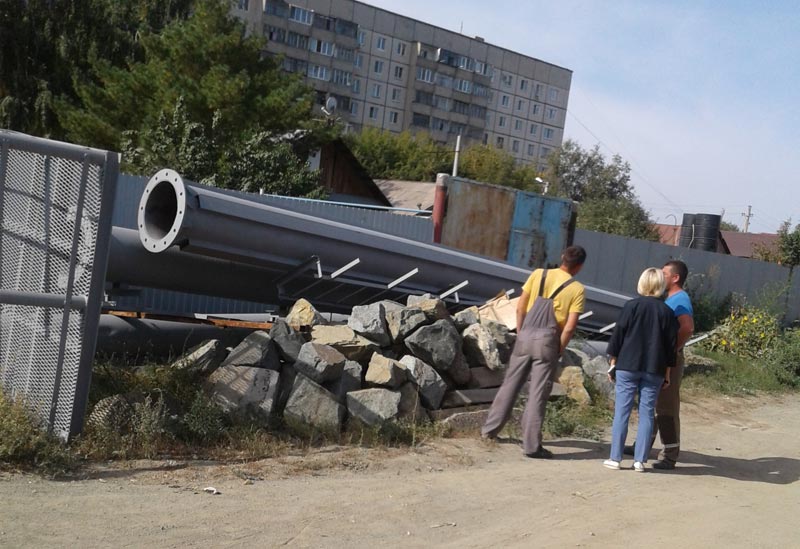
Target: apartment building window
[[477, 111], [321, 46], [362, 38], [323, 22], [378, 67], [520, 105], [244, 4], [500, 142], [356, 86], [426, 98], [353, 107], [346, 28], [277, 8], [460, 107], [538, 93], [553, 94], [544, 152], [536, 109], [421, 120], [523, 85], [301, 15], [274, 34], [376, 91], [464, 86], [440, 102], [534, 129], [393, 117], [515, 146], [551, 113], [342, 78], [424, 75], [457, 129], [438, 125], [505, 80], [400, 48], [548, 133], [395, 94], [398, 72], [380, 43], [466, 63], [530, 149], [345, 54], [517, 125], [480, 90], [373, 113], [504, 100], [318, 72], [444, 80], [297, 40], [294, 65], [482, 68], [501, 121], [358, 62]]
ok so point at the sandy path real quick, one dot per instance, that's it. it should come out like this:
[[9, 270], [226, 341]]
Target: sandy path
[[738, 487]]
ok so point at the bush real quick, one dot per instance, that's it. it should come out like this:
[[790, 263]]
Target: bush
[[747, 332], [23, 443], [784, 357]]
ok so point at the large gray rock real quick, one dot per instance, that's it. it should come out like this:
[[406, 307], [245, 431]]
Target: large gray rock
[[504, 338], [484, 378], [480, 348], [320, 363], [440, 346], [469, 397], [412, 300], [203, 359], [467, 317], [431, 385], [389, 305], [344, 340], [374, 406], [311, 404], [257, 350], [573, 356], [572, 379], [287, 340], [596, 369], [349, 381], [244, 390], [385, 372], [434, 309], [370, 322], [303, 315], [401, 323], [410, 407]]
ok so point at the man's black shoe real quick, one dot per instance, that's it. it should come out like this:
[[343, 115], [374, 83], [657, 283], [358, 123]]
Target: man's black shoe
[[541, 453], [664, 465], [629, 449]]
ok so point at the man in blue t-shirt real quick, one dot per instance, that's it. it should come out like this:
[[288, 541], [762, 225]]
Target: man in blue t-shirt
[[668, 407]]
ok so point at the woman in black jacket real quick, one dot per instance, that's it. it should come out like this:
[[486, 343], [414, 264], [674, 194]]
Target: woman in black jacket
[[642, 350]]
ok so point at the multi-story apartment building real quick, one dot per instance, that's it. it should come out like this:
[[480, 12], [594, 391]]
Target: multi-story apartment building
[[396, 73]]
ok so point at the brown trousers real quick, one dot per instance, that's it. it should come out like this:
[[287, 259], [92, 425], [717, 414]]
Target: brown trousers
[[668, 409], [536, 356]]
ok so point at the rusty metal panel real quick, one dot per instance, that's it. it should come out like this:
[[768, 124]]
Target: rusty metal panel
[[478, 218], [539, 230]]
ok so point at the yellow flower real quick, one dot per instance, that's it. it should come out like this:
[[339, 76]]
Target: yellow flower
[[762, 335], [754, 321], [724, 342]]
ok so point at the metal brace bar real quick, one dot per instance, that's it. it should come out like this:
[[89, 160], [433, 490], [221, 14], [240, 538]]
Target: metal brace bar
[[607, 328], [298, 270], [696, 340], [346, 268], [454, 289], [587, 314], [403, 278]]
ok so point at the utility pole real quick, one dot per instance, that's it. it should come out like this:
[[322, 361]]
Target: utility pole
[[455, 158], [747, 217]]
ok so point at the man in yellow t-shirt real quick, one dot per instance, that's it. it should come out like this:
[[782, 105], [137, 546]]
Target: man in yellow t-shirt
[[547, 316]]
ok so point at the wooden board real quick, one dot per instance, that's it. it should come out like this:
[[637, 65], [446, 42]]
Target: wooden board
[[221, 322]]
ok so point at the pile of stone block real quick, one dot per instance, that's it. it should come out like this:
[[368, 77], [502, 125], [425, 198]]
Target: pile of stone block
[[390, 362]]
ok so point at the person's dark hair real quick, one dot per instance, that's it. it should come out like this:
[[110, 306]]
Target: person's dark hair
[[574, 256], [679, 268]]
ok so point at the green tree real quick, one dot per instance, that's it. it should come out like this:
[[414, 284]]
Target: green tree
[[201, 94], [492, 165], [727, 226], [386, 155], [602, 188]]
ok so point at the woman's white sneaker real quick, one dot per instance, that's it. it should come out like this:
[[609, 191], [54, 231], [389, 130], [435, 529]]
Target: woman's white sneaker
[[638, 466], [611, 464]]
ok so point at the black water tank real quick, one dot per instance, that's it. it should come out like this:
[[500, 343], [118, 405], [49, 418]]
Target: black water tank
[[687, 231], [700, 231]]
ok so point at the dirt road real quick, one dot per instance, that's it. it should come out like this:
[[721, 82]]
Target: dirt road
[[737, 487]]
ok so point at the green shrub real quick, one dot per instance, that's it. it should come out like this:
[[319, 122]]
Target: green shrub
[[23, 442], [747, 332], [205, 421], [784, 357]]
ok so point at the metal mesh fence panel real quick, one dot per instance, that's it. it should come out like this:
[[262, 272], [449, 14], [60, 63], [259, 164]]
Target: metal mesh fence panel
[[55, 211]]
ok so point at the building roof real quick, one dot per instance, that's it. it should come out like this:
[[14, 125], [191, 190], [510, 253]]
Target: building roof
[[748, 244], [414, 195]]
